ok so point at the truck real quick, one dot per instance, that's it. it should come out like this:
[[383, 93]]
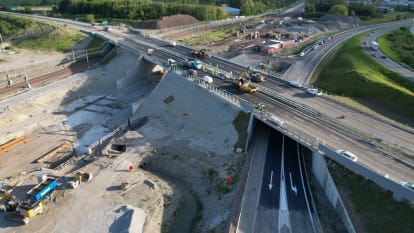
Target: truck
[[374, 46], [195, 64], [200, 53], [42, 189]]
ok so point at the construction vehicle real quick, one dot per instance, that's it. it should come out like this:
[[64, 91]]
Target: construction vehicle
[[195, 64], [243, 82], [78, 178], [255, 76], [18, 211], [200, 53], [42, 189]]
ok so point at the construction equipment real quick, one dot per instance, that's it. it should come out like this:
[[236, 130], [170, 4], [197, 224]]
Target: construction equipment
[[200, 53], [195, 64], [18, 211], [41, 190], [243, 82], [255, 76], [80, 177], [12, 143]]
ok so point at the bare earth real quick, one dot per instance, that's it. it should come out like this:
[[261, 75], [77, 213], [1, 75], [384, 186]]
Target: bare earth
[[176, 142]]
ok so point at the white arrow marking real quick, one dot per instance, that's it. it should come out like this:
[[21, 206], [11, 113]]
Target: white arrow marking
[[271, 183], [294, 189]]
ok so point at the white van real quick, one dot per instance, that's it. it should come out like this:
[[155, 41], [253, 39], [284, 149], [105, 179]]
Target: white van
[[295, 84], [314, 91], [208, 79], [347, 155]]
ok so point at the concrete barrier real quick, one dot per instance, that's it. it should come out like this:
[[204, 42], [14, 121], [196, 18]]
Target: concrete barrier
[[399, 192], [321, 172]]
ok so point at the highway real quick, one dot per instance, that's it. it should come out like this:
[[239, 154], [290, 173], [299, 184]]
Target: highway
[[381, 57], [283, 203], [371, 126]]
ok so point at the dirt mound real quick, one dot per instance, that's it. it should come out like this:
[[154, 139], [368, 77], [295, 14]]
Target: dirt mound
[[167, 22], [339, 22]]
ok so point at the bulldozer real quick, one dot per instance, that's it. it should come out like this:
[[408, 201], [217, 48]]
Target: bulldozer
[[243, 82], [200, 53]]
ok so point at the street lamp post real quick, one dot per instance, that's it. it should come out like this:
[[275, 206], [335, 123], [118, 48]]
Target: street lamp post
[[1, 43]]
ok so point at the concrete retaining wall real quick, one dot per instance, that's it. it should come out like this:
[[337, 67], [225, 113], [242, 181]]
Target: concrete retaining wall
[[399, 192], [321, 172]]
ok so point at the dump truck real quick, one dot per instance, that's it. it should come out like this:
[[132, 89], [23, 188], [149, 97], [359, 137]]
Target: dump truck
[[243, 82], [41, 190], [200, 53]]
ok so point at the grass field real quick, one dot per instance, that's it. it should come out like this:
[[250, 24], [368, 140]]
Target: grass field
[[351, 72], [206, 38], [374, 207], [61, 42], [32, 34]]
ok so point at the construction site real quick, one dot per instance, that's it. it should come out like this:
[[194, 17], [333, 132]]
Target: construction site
[[123, 147]]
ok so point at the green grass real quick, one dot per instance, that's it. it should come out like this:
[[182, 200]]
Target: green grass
[[240, 122], [375, 208], [206, 38], [60, 42], [351, 72], [385, 46]]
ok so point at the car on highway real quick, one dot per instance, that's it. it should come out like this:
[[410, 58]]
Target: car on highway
[[314, 91], [207, 79], [171, 62], [383, 57], [295, 84], [407, 185], [347, 155]]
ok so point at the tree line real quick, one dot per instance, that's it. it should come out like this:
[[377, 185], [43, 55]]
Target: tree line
[[403, 45], [341, 7], [140, 9]]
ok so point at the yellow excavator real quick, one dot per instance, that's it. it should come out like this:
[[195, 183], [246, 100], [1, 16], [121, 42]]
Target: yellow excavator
[[243, 82], [200, 53]]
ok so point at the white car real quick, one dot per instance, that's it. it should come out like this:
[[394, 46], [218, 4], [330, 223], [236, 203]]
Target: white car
[[347, 155], [208, 79], [407, 185], [171, 62], [295, 84], [314, 91]]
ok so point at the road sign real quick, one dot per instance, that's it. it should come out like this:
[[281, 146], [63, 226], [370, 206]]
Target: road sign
[[105, 22], [14, 8]]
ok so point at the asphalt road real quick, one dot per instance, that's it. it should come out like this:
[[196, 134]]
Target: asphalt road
[[381, 57], [284, 202]]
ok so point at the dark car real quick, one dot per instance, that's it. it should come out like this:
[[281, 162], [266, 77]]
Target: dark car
[[383, 57]]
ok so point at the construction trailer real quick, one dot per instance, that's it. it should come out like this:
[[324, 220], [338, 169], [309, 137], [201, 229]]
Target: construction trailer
[[41, 190]]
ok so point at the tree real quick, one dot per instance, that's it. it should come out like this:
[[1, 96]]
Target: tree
[[90, 18], [339, 10], [27, 9]]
